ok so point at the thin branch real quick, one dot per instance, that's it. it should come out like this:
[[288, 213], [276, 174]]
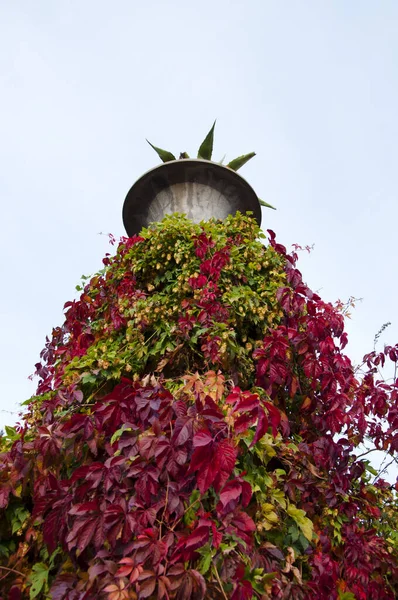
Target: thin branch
[[385, 469], [11, 571], [185, 512], [368, 452], [165, 507], [219, 581]]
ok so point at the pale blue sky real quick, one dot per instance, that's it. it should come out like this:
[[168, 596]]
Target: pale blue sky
[[311, 86]]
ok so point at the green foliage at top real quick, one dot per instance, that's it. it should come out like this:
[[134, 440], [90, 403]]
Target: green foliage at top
[[206, 148], [166, 267], [206, 152]]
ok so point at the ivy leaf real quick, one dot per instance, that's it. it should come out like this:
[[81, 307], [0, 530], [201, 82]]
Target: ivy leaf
[[206, 149], [147, 581], [118, 433], [263, 203], [39, 579], [302, 521], [372, 470], [262, 426], [213, 461], [270, 517], [238, 162], [197, 538], [205, 561], [88, 378], [19, 517], [164, 155], [11, 433]]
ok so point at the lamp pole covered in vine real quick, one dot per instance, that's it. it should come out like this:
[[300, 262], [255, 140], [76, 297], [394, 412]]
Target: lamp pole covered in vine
[[197, 427]]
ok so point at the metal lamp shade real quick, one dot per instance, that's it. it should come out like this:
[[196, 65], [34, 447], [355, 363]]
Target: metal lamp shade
[[200, 189]]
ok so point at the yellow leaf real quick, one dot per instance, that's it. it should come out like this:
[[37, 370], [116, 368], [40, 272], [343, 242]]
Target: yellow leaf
[[279, 497], [303, 522], [270, 516]]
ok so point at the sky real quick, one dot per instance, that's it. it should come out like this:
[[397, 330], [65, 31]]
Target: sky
[[311, 86]]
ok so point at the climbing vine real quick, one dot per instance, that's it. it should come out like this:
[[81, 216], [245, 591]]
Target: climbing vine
[[197, 433]]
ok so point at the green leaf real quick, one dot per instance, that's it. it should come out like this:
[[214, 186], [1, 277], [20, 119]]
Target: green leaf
[[294, 533], [53, 556], [38, 578], [205, 561], [302, 521], [4, 551], [194, 497], [164, 155], [346, 595], [263, 203], [279, 497], [118, 433], [368, 468], [190, 514], [237, 163], [206, 149], [197, 334], [11, 433], [19, 517], [88, 378]]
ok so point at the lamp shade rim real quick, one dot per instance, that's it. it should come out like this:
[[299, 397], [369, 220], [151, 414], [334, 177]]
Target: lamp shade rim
[[231, 192]]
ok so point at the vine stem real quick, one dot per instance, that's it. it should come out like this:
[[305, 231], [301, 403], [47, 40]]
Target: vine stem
[[219, 582], [10, 571], [185, 512], [165, 507]]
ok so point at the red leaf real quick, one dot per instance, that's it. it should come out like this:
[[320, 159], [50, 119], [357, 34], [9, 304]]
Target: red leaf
[[246, 493], [198, 538], [247, 403], [274, 417], [231, 491], [226, 455], [202, 438], [243, 591], [262, 426], [217, 536], [83, 509], [243, 422], [214, 462], [184, 433], [201, 457], [81, 534], [147, 587], [206, 476], [15, 593], [62, 585]]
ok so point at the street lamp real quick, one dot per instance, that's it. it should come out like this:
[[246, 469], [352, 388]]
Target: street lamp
[[201, 189]]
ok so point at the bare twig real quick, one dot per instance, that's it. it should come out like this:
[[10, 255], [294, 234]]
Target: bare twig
[[10, 571], [219, 581], [165, 507], [367, 452]]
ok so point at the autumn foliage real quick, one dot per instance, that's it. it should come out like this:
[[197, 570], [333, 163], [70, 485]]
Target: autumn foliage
[[197, 433]]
